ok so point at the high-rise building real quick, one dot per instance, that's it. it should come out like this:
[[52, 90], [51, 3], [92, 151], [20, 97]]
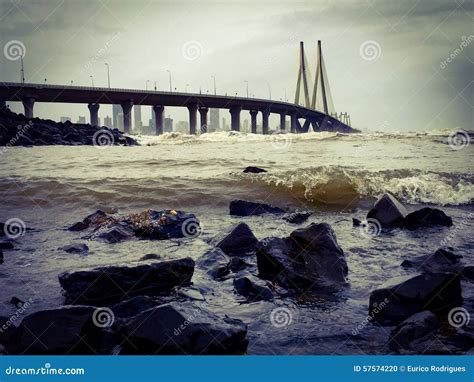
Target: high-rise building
[[65, 119], [213, 120], [81, 119], [137, 111], [168, 127], [108, 122], [117, 116]]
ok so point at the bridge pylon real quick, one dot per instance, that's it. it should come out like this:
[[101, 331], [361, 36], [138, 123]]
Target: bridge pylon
[[302, 77]]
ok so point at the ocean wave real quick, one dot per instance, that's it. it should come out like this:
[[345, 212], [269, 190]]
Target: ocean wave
[[335, 185]]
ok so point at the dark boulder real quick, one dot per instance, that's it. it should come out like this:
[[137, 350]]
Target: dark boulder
[[237, 240], [166, 224], [439, 342], [150, 256], [115, 234], [95, 219], [296, 217], [245, 208], [468, 273], [253, 288], [440, 261], [254, 170], [407, 295], [185, 328], [64, 330], [7, 328], [237, 264], [17, 302], [356, 222], [215, 263], [309, 258], [426, 217], [75, 248], [388, 211], [414, 327], [112, 284], [1, 257], [6, 245], [134, 306]]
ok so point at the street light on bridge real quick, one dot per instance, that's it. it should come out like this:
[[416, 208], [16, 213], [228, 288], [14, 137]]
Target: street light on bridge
[[215, 88], [108, 74], [92, 80], [155, 86], [169, 74]]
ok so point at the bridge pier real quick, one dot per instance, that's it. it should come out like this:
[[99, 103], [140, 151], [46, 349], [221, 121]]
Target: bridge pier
[[94, 110], [127, 115], [28, 104], [235, 118], [283, 121], [253, 121], [192, 118], [203, 112], [293, 122], [265, 115], [159, 112]]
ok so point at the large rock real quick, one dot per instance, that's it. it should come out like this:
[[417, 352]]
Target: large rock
[[388, 211], [184, 328], [414, 327], [75, 248], [440, 261], [426, 217], [115, 234], [407, 295], [64, 330], [245, 208], [95, 219], [7, 328], [215, 263], [253, 288], [237, 240], [254, 170], [310, 257], [109, 285]]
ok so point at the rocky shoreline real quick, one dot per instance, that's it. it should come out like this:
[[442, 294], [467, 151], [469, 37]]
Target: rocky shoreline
[[17, 130], [151, 308]]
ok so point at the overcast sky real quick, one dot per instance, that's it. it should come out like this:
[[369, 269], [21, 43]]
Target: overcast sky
[[387, 61]]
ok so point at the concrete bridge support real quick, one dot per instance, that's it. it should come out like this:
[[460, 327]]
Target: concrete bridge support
[[159, 117], [203, 112], [94, 110], [192, 118], [293, 122], [253, 121], [3, 105], [28, 104], [265, 116], [283, 121], [235, 118], [127, 115]]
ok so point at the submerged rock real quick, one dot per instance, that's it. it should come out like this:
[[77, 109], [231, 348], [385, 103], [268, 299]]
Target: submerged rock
[[150, 256], [237, 240], [253, 288], [440, 261], [245, 208], [64, 330], [388, 211], [407, 295], [185, 328], [215, 263], [310, 257], [254, 170], [95, 219], [414, 327], [112, 284], [75, 248], [426, 217], [297, 217]]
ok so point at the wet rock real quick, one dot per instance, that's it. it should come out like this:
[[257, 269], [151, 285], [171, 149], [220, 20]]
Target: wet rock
[[388, 211], [75, 248], [150, 256], [1, 257], [93, 220], [254, 170], [215, 263], [166, 224], [7, 329], [468, 273], [6, 245], [112, 284], [426, 217], [17, 302], [439, 342], [134, 306], [253, 288], [64, 330], [237, 240], [116, 234], [245, 208], [184, 328], [237, 264], [407, 295], [440, 261], [191, 294], [356, 222], [414, 327], [297, 217], [310, 257]]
